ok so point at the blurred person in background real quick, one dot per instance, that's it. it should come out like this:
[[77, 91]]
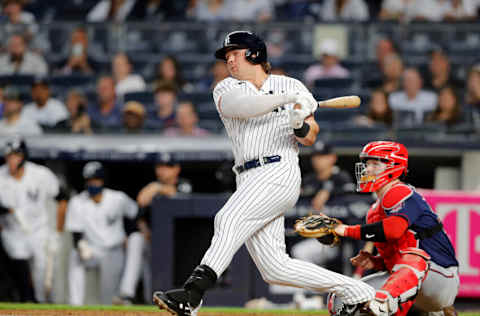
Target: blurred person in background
[[106, 113], [2, 100], [169, 69], [78, 121], [327, 181], [159, 10], [125, 80], [448, 110], [379, 112], [412, 99], [392, 73], [408, 10], [460, 10], [440, 71], [259, 11], [13, 121], [79, 60], [138, 253], [217, 73], [472, 99], [44, 109], [19, 60], [18, 21], [209, 10], [165, 103], [27, 189], [133, 117], [111, 10], [187, 120], [95, 219], [329, 66], [344, 10], [383, 48]]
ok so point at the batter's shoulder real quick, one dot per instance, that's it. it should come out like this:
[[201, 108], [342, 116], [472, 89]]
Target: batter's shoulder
[[227, 82], [396, 195]]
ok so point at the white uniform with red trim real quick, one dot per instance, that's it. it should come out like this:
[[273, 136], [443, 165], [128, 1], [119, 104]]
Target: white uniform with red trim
[[254, 213]]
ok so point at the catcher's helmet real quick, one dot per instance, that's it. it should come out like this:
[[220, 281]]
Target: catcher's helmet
[[393, 154], [93, 170], [256, 48], [16, 145]]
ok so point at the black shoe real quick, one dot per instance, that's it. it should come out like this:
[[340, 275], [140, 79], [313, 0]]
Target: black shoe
[[175, 302]]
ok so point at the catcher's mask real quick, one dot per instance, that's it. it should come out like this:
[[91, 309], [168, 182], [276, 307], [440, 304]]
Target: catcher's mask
[[393, 155], [256, 49]]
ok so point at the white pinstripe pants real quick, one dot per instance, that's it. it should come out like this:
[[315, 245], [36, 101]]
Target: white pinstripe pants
[[254, 215]]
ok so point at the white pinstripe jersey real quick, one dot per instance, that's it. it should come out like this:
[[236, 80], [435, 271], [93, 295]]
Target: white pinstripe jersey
[[265, 135]]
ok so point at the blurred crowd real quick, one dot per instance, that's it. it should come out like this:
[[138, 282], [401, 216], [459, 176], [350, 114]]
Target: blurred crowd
[[84, 90]]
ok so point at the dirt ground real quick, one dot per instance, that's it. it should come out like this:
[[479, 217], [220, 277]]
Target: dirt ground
[[125, 313]]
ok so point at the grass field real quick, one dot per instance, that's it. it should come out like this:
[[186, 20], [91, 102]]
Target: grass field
[[137, 310]]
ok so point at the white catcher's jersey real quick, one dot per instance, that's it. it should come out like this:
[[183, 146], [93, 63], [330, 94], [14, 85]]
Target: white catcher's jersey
[[28, 196], [266, 135], [102, 223]]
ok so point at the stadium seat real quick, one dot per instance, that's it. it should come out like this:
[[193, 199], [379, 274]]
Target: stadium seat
[[335, 83], [71, 80], [144, 97], [16, 80]]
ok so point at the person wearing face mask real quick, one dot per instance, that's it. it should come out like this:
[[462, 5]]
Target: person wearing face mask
[[95, 218]]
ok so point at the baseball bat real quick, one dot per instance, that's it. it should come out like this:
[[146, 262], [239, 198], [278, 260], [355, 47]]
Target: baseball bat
[[347, 102]]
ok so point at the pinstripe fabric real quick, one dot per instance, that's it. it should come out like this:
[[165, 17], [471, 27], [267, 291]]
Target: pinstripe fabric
[[254, 213]]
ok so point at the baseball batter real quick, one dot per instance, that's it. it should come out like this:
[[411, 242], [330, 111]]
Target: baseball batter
[[265, 116], [26, 189], [95, 217], [416, 258]]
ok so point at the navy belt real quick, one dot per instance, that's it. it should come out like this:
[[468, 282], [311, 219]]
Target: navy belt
[[257, 163]]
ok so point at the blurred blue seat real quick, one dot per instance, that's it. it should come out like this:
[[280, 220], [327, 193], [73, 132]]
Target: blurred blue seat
[[144, 97], [71, 80], [335, 83], [17, 80], [198, 98]]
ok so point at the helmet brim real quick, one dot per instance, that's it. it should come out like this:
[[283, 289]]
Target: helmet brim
[[222, 52]]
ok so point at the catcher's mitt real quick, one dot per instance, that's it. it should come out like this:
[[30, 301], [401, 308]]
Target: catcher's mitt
[[319, 226]]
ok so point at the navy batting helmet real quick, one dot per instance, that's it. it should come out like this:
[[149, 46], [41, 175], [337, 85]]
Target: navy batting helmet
[[16, 145], [93, 170], [256, 48]]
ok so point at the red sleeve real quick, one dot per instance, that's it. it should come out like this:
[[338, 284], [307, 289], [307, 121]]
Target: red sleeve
[[353, 232], [394, 227]]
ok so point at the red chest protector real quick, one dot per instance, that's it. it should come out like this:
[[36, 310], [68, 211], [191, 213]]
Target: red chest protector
[[392, 199]]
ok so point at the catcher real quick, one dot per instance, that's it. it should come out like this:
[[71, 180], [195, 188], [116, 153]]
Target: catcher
[[415, 258]]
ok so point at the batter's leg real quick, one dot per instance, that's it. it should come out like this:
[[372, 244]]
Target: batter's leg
[[268, 251], [39, 268], [111, 266]]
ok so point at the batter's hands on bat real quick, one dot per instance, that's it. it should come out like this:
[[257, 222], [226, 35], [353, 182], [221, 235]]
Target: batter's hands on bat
[[297, 117], [363, 260], [307, 101]]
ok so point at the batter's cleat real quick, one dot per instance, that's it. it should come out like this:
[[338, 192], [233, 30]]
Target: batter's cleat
[[175, 302], [450, 311]]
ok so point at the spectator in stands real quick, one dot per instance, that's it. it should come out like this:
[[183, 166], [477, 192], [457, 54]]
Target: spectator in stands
[[133, 117], [473, 95], [217, 73], [78, 121], [79, 61], [344, 10], [460, 10], [18, 21], [44, 109], [379, 112], [329, 65], [383, 48], [251, 10], [392, 73], [159, 10], [448, 110], [187, 120], [169, 69], [111, 10], [412, 101], [165, 102], [125, 81], [408, 10], [106, 113], [2, 100], [278, 44], [19, 60], [209, 10], [13, 121], [326, 182], [440, 74]]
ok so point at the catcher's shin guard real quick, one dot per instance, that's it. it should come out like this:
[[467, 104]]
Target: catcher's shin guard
[[176, 302], [399, 291], [202, 279]]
